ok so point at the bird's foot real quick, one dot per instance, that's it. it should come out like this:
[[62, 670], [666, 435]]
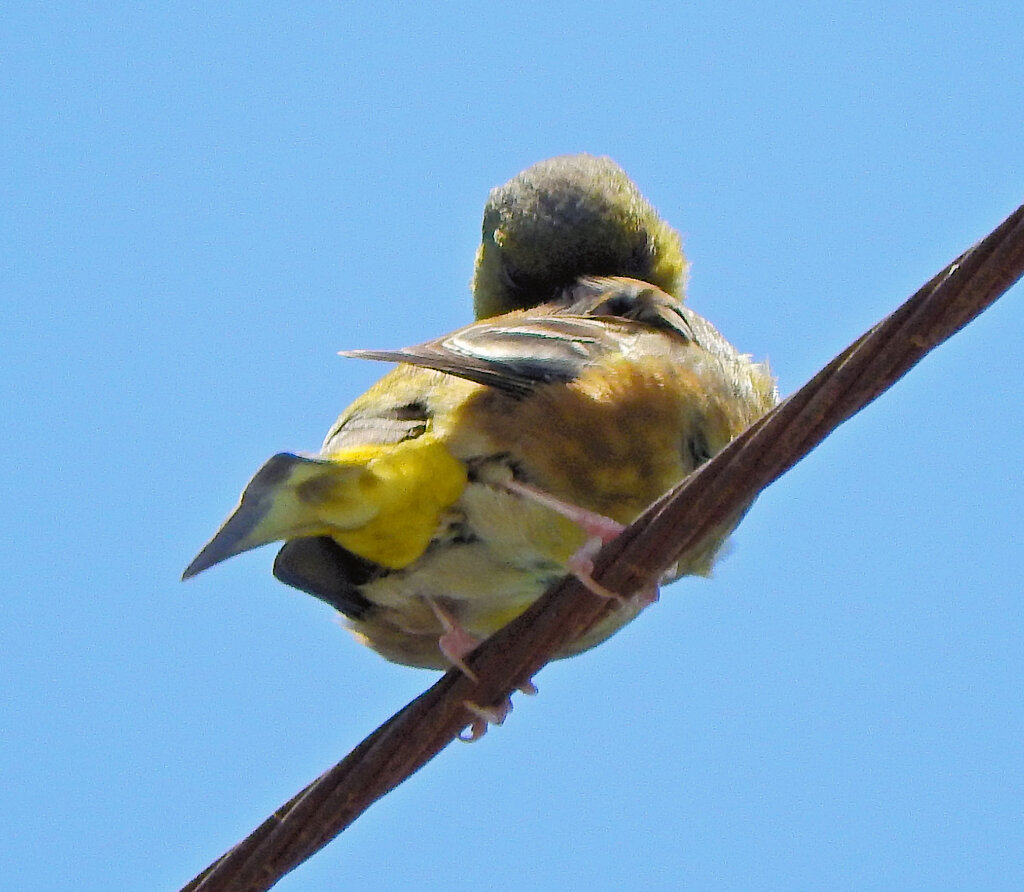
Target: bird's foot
[[491, 715], [485, 716], [456, 642], [600, 530]]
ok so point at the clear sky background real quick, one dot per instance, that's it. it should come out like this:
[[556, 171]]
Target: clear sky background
[[201, 206]]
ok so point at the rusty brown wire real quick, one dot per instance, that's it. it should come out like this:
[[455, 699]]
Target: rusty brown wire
[[671, 528]]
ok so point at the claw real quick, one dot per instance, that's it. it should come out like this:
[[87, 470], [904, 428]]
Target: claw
[[485, 715], [581, 565]]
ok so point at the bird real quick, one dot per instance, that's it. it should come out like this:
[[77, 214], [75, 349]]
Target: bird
[[494, 460]]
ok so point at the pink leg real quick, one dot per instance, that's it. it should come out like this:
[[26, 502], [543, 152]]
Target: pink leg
[[595, 525], [456, 642], [599, 529]]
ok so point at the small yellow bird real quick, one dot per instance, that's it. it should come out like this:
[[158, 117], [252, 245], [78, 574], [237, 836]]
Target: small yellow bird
[[450, 495]]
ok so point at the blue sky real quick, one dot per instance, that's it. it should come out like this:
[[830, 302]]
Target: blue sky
[[202, 206]]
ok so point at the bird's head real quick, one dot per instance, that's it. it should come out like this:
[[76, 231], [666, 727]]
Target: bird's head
[[567, 217]]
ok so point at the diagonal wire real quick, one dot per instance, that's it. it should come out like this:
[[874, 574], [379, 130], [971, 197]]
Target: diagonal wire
[[674, 526]]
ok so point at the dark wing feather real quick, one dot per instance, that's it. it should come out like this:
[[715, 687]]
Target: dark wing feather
[[628, 299], [512, 354], [517, 352]]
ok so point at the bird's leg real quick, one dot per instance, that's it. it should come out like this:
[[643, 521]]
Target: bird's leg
[[599, 529], [455, 642], [595, 525]]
